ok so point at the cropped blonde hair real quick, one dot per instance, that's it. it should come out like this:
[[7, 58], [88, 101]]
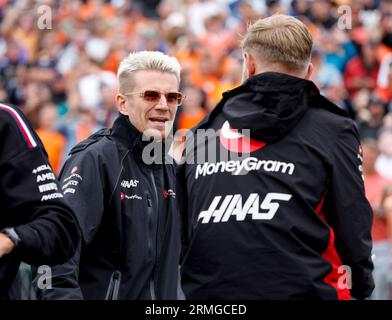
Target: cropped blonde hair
[[145, 60], [279, 39]]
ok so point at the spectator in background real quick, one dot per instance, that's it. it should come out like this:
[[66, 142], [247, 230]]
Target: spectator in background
[[79, 124], [337, 47], [321, 14], [149, 37], [191, 111], [148, 7], [107, 110], [386, 206], [362, 71], [3, 93], [231, 68], [246, 13], [384, 160], [13, 57], [26, 34], [36, 96], [386, 27], [274, 7], [330, 81], [299, 8], [375, 186], [174, 29], [384, 81], [17, 86], [94, 76], [53, 141], [72, 52], [370, 126], [217, 39], [44, 67]]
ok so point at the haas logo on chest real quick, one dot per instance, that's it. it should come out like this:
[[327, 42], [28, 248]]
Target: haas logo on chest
[[131, 183]]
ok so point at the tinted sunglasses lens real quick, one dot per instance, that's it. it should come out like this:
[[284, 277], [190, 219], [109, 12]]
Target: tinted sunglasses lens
[[152, 96], [174, 98]]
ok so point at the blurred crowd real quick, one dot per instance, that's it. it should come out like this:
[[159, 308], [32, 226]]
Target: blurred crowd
[[58, 62]]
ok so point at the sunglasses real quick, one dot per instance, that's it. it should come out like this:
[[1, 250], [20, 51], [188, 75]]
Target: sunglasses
[[153, 96]]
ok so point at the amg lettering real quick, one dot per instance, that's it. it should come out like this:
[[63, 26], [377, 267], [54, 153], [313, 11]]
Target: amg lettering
[[233, 205], [46, 176], [240, 167]]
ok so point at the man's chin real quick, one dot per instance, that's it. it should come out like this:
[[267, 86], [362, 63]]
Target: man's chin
[[156, 134]]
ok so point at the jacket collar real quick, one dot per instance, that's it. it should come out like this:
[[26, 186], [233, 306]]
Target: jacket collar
[[125, 133], [127, 136]]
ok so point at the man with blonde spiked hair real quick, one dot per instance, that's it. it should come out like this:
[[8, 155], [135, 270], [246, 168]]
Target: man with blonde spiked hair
[[283, 214], [125, 205]]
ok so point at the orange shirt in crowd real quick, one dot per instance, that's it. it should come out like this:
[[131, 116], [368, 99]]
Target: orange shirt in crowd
[[54, 144], [374, 186], [188, 120], [29, 42], [90, 10]]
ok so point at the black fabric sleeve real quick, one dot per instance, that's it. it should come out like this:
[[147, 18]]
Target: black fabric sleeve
[[82, 185], [64, 281], [349, 213], [32, 202]]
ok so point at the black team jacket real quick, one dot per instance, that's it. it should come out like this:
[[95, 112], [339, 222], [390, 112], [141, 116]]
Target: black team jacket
[[31, 203], [129, 219], [281, 212]]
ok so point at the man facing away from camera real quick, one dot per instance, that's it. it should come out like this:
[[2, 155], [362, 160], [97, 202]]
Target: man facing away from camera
[[283, 215], [126, 205]]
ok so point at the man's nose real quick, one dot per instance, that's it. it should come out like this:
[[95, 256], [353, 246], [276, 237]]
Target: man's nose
[[162, 104]]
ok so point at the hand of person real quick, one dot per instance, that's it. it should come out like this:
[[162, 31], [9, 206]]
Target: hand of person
[[6, 244]]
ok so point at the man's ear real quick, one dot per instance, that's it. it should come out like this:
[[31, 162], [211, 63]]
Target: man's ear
[[121, 104], [250, 63], [309, 72]]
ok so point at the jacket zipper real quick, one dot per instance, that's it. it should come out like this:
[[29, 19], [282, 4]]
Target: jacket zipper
[[114, 286], [149, 244], [152, 282]]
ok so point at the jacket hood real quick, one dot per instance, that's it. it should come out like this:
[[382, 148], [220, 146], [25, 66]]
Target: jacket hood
[[270, 104]]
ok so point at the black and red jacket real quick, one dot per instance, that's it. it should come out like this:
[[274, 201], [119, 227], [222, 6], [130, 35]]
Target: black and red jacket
[[281, 212], [31, 202]]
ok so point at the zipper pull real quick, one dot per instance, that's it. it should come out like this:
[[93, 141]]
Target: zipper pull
[[114, 286], [149, 202]]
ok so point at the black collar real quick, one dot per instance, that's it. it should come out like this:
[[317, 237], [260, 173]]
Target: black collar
[[125, 133]]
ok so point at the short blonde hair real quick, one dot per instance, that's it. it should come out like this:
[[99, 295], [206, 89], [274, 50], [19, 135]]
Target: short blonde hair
[[145, 60], [279, 39]]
